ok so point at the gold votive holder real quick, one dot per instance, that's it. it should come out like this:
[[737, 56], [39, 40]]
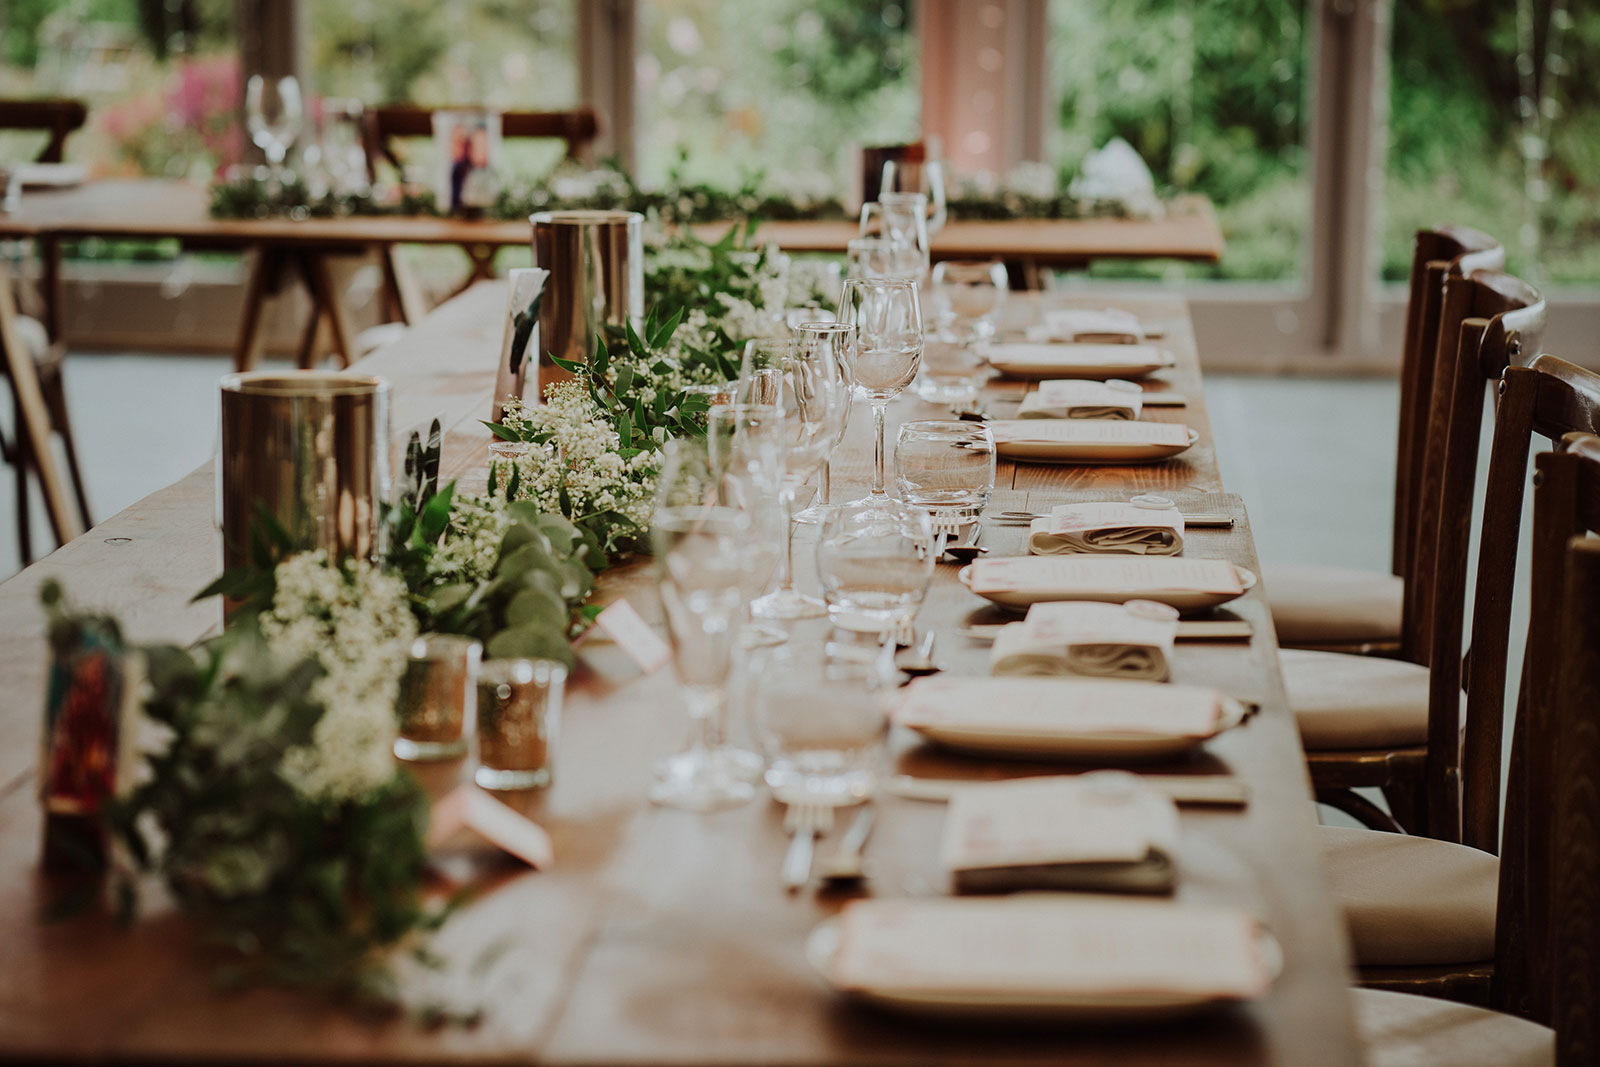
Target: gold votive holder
[[436, 698], [519, 715]]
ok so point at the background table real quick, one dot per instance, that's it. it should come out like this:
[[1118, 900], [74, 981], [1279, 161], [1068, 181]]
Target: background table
[[658, 936]]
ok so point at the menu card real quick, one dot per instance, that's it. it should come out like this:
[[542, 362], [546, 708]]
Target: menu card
[[1059, 946], [1090, 432], [1104, 325], [1059, 708], [1106, 817], [1108, 526], [1135, 576], [1132, 640], [1046, 355], [1082, 398]]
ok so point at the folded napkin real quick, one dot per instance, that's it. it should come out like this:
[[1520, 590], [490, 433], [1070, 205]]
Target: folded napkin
[[1089, 325], [1099, 577], [1107, 527], [1051, 707], [1080, 398], [1105, 831], [1053, 946], [1081, 637]]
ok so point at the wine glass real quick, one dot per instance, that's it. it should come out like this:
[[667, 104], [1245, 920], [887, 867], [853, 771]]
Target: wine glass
[[926, 178], [745, 444], [905, 225], [879, 257], [889, 343], [838, 338], [273, 113], [705, 554], [875, 564], [810, 391], [967, 296]]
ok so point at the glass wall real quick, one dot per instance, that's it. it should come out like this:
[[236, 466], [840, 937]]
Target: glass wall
[[1213, 98], [787, 87], [1494, 122]]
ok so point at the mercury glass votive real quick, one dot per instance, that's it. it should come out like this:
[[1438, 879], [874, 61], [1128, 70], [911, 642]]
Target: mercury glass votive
[[436, 698], [519, 715]]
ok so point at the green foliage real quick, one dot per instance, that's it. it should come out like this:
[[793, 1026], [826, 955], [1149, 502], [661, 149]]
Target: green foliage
[[644, 412]]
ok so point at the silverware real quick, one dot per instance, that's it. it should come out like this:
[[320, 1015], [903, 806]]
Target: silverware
[[902, 633], [1023, 518], [845, 865], [1211, 790], [920, 661], [805, 822], [966, 549]]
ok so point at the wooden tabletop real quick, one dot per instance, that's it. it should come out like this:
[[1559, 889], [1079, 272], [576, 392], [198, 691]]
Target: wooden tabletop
[[157, 207], [658, 936]]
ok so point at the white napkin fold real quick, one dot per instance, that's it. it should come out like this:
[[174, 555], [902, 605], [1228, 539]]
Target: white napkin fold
[[1080, 637], [1061, 945], [1082, 398], [1112, 326], [1107, 527]]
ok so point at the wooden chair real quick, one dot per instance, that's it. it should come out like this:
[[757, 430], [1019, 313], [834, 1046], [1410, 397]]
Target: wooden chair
[[58, 118], [1342, 609], [874, 157], [385, 125], [1369, 722]]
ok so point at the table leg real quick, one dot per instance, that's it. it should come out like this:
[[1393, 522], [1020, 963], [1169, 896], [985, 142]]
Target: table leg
[[314, 265], [310, 347], [402, 286], [262, 268], [34, 432], [50, 284]]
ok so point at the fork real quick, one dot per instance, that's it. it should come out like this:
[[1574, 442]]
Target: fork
[[943, 530], [805, 822], [902, 633]]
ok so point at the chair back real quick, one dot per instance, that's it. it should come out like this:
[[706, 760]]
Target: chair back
[[1437, 254], [873, 158], [1547, 951], [58, 118], [577, 128]]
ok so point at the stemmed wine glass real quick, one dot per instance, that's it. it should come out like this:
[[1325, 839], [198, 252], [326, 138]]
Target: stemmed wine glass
[[707, 556], [273, 113], [745, 443], [926, 178], [808, 387], [889, 343], [904, 221], [839, 339]]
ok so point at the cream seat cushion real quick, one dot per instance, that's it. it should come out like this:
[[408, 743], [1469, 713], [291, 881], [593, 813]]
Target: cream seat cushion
[[1404, 1030], [1345, 701], [1411, 901], [1314, 605]]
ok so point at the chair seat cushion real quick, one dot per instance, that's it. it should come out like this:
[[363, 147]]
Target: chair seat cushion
[[1344, 701], [1411, 901], [1314, 605], [1405, 1030]]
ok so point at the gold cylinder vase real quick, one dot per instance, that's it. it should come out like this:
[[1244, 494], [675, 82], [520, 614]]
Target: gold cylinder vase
[[596, 284], [310, 451]]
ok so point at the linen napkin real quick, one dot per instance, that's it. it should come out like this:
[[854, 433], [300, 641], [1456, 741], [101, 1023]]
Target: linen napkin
[[1056, 708], [1103, 831], [1108, 526], [1083, 398], [1090, 639], [1103, 577], [1056, 946], [1107, 326]]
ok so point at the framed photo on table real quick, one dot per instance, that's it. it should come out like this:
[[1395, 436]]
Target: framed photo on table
[[467, 143]]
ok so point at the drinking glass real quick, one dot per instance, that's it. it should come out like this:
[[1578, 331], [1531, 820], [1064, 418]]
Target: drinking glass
[[519, 714], [436, 697], [822, 720], [273, 113], [879, 257], [952, 374], [344, 154], [745, 444], [905, 224], [888, 351], [926, 178], [945, 467], [705, 553], [967, 297], [875, 563], [810, 392], [838, 338]]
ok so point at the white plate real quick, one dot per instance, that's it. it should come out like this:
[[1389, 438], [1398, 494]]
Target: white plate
[[1089, 360], [51, 175], [1089, 452], [1182, 599], [1077, 748], [1066, 1007]]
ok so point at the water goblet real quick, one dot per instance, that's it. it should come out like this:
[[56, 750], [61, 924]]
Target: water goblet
[[273, 113], [945, 467], [889, 344], [926, 178], [875, 563], [967, 296], [837, 338]]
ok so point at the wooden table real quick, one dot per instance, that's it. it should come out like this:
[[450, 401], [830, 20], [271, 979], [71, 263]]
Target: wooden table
[[658, 936]]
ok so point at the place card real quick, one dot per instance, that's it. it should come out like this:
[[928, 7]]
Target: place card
[[1090, 432], [1103, 325], [1131, 640], [1103, 830], [1056, 946], [1102, 575], [637, 638], [1060, 708], [1107, 526], [1083, 398], [470, 808]]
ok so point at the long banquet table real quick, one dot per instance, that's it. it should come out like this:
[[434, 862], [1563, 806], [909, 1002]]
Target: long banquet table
[[657, 936]]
